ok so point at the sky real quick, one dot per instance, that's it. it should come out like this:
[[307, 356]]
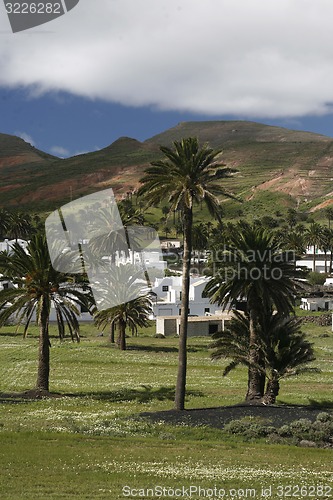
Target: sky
[[112, 68]]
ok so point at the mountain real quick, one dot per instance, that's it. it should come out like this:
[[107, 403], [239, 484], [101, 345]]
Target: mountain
[[277, 167]]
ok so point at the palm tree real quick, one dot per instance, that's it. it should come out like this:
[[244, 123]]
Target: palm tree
[[291, 217], [284, 349], [20, 225], [313, 237], [4, 222], [110, 233], [132, 305], [254, 269], [286, 352], [329, 215], [39, 286], [200, 238], [187, 175], [293, 240], [329, 236], [324, 243]]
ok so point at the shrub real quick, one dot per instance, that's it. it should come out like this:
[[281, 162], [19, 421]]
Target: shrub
[[284, 431], [316, 278], [324, 417], [301, 426], [237, 426]]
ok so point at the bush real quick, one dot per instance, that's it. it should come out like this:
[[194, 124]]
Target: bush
[[284, 431], [300, 426], [316, 278], [237, 427], [324, 417], [303, 429], [249, 429]]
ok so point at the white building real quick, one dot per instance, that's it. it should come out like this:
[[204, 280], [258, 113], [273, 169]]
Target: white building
[[6, 245], [307, 260], [167, 291], [149, 259], [317, 304], [201, 326]]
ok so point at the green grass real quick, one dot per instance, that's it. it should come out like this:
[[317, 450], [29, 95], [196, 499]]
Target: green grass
[[90, 442]]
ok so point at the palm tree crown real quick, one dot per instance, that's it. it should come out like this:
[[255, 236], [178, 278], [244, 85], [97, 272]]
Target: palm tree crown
[[188, 175], [132, 303]]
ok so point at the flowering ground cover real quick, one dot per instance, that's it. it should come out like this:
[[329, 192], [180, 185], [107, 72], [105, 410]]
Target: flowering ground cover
[[91, 442]]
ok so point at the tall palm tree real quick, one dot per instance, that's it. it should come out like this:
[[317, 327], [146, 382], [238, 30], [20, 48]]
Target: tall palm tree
[[293, 240], [255, 269], [38, 286], [188, 175], [110, 229], [324, 243], [313, 237], [329, 215], [132, 304], [4, 222], [329, 236]]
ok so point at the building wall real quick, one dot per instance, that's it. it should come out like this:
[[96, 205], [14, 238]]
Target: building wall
[[197, 327]]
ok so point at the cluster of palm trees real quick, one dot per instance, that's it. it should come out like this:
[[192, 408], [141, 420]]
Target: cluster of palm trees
[[188, 175], [254, 267], [16, 224], [37, 285]]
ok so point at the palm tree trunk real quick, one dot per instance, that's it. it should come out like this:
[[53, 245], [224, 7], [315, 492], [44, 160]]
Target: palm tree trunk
[[43, 373], [314, 258], [112, 328], [272, 391], [122, 335], [255, 388], [182, 352]]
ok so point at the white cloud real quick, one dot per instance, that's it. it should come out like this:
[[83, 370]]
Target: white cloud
[[257, 58], [26, 137], [59, 151]]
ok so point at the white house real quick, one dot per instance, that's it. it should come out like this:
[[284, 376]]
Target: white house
[[317, 303], [307, 260], [167, 291], [150, 259]]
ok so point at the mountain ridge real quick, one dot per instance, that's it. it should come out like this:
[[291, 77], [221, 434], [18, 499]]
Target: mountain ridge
[[296, 166]]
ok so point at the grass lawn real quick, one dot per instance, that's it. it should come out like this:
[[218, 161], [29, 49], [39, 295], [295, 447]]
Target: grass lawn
[[91, 443]]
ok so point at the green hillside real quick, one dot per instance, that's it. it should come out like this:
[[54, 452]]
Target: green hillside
[[277, 168]]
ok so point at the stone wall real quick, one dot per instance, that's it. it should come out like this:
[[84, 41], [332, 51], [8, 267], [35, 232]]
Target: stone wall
[[322, 320]]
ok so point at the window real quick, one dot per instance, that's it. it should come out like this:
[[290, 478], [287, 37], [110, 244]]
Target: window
[[207, 309], [165, 288]]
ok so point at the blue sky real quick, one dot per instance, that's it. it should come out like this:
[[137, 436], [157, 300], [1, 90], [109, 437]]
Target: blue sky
[[65, 125], [112, 68]]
